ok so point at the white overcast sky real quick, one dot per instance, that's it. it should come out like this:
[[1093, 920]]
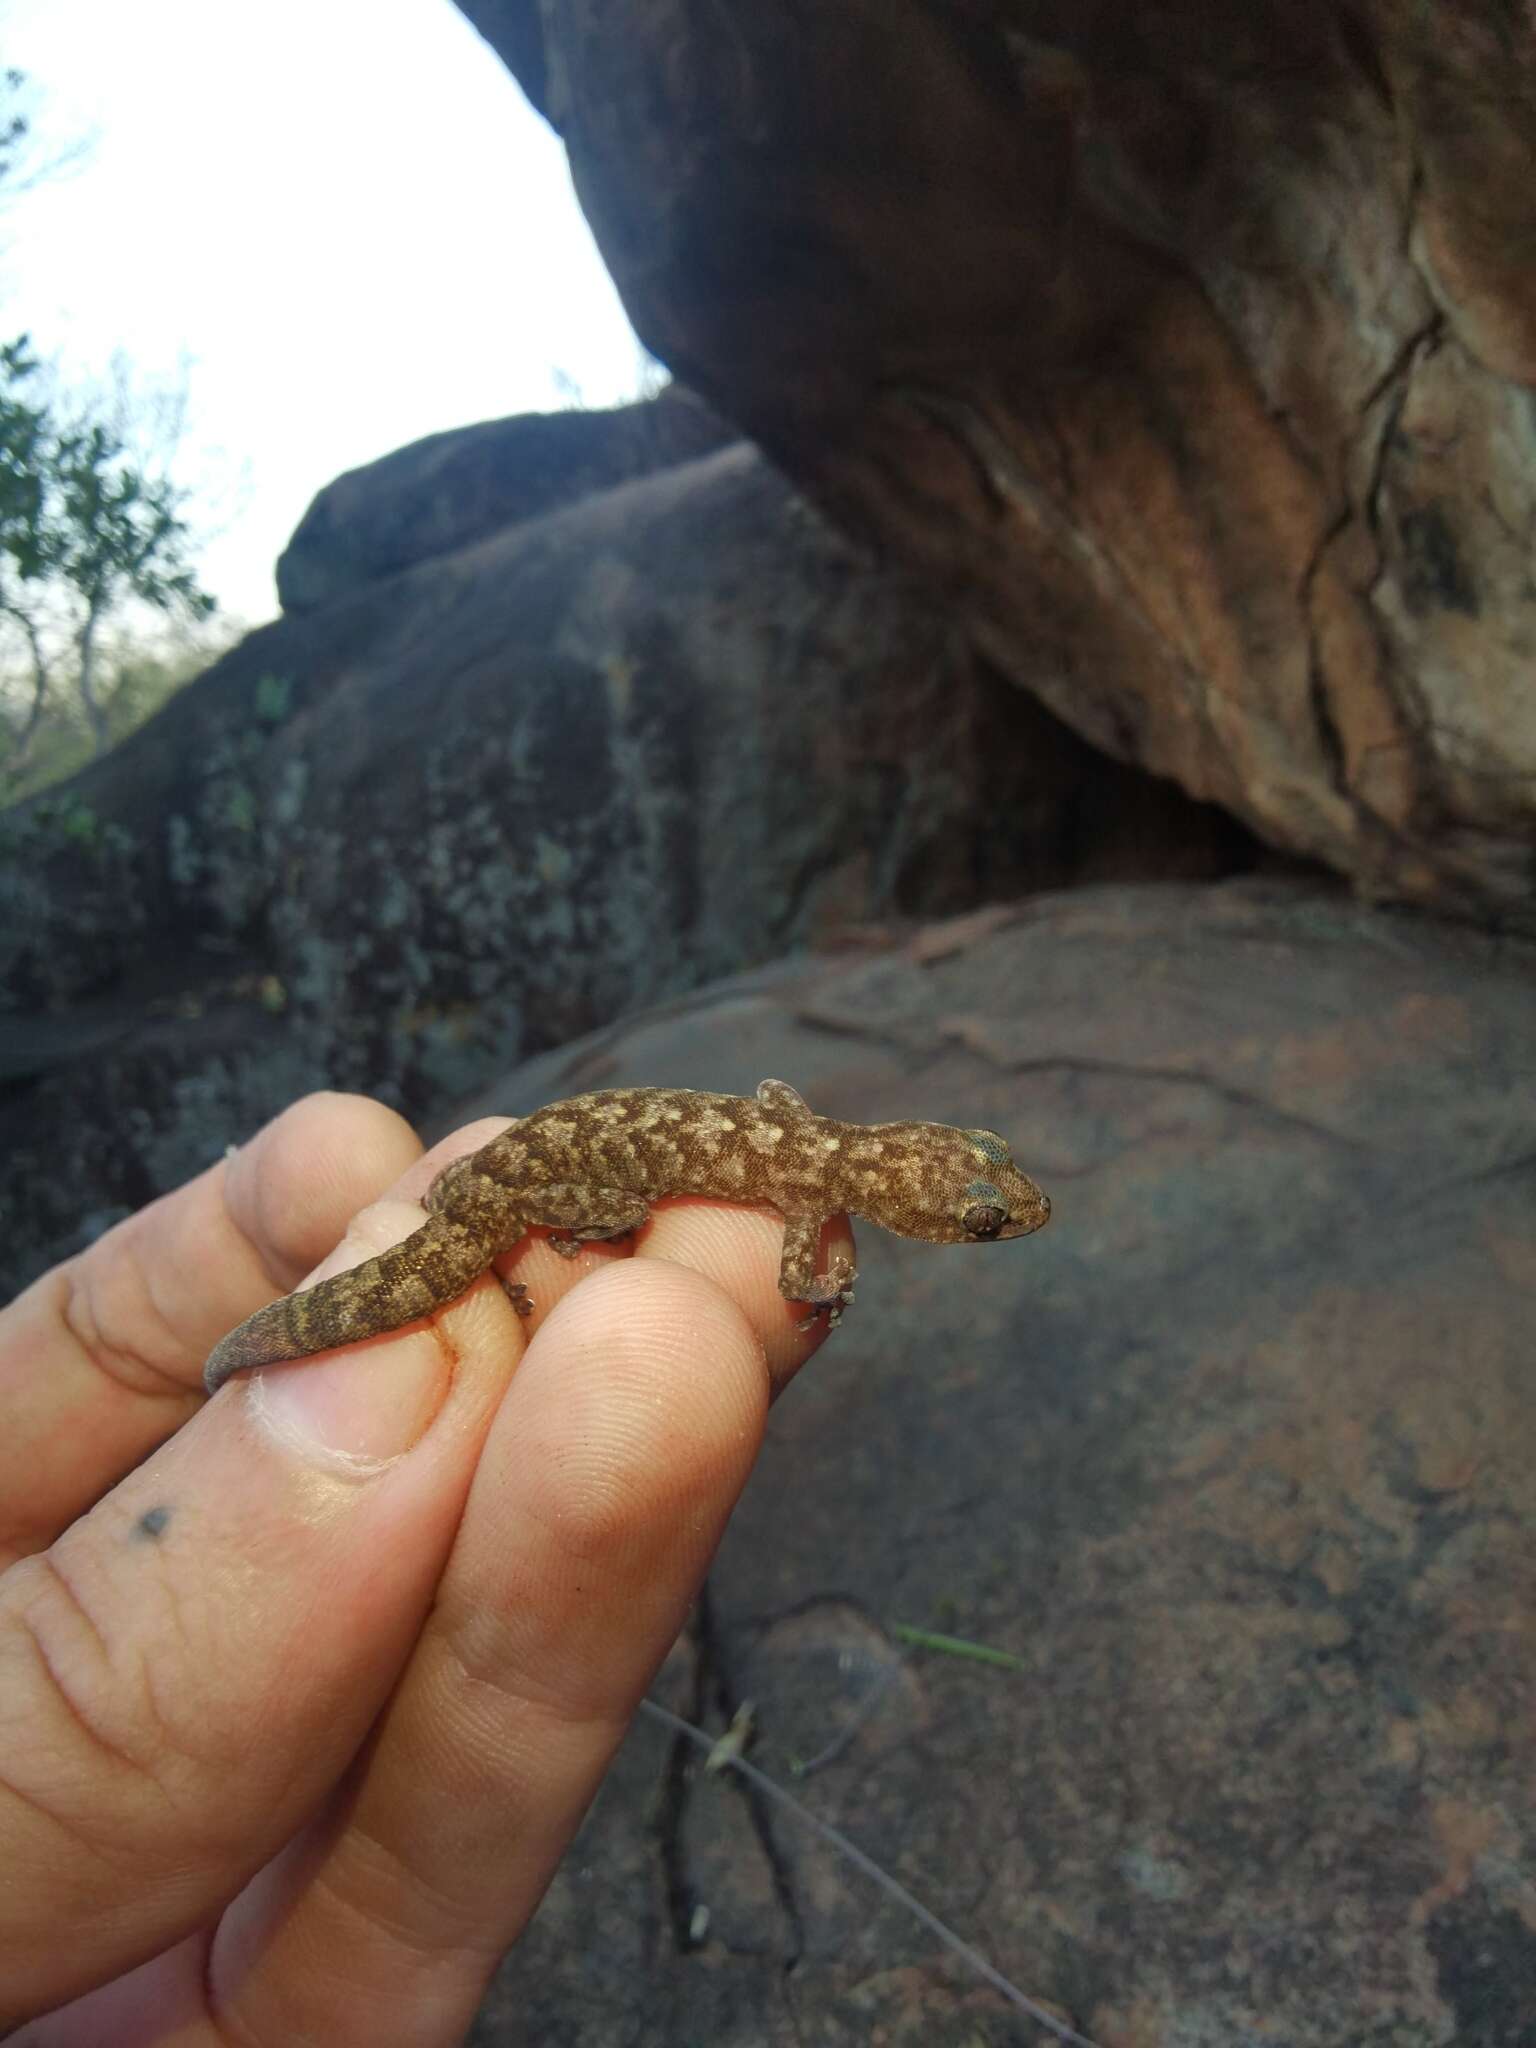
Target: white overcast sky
[[341, 215]]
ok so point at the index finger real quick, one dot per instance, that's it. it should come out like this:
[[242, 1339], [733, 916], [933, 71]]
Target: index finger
[[100, 1359]]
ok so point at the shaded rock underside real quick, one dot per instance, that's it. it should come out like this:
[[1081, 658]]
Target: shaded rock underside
[[1187, 352]]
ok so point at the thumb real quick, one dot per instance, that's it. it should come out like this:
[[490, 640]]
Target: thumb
[[188, 1670]]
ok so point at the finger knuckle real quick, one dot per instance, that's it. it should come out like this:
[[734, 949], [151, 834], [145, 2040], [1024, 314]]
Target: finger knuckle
[[86, 1715]]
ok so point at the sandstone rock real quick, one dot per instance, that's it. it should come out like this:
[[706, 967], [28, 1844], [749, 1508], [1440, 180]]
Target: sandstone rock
[[1238, 1458], [1187, 352]]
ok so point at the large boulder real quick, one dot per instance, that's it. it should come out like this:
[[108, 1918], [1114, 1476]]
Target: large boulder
[[1188, 352], [1237, 1461], [494, 800], [461, 486]]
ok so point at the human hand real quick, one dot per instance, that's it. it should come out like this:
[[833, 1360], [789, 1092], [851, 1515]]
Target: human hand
[[304, 1691]]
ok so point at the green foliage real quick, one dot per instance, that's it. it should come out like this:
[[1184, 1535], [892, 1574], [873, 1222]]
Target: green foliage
[[23, 437], [110, 530], [957, 1646], [135, 681], [88, 534]]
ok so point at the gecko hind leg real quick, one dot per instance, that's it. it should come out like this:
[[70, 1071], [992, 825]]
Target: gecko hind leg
[[581, 1215], [440, 1195], [824, 1294], [450, 1195]]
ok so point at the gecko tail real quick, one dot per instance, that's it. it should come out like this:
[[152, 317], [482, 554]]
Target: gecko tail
[[427, 1269]]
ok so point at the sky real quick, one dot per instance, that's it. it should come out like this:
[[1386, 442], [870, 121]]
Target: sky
[[338, 221]]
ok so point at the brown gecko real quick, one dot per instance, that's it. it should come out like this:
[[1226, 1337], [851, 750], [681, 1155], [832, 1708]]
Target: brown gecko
[[589, 1169]]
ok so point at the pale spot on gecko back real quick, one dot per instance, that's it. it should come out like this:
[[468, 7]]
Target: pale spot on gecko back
[[710, 1127]]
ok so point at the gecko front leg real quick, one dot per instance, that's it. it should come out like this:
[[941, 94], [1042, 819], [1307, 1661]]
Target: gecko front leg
[[826, 1293]]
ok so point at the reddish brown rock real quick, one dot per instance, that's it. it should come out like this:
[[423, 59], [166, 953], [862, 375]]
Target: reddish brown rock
[[1188, 351], [1237, 1458]]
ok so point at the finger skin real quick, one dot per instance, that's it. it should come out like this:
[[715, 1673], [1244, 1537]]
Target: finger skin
[[601, 1494], [184, 1695], [100, 1360], [189, 1669]]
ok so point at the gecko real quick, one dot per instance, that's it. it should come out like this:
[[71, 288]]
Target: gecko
[[589, 1168]]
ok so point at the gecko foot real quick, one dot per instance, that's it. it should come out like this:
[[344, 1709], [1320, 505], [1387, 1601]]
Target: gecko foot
[[516, 1292], [829, 1295], [832, 1310], [568, 1243]]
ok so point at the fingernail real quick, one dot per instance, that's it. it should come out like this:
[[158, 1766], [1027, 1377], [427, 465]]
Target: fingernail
[[359, 1408]]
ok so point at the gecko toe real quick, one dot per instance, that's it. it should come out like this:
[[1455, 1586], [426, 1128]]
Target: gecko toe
[[831, 1311], [516, 1292]]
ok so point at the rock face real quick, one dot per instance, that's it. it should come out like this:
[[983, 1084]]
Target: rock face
[[485, 804], [456, 488], [1188, 352], [1186, 356], [1237, 1458]]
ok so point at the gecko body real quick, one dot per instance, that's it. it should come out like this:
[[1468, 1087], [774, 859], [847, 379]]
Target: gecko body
[[589, 1168]]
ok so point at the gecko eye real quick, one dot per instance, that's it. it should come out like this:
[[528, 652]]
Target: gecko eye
[[985, 1220], [984, 1213], [991, 1147]]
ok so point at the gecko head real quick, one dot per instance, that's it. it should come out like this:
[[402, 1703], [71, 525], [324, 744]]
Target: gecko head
[[974, 1193]]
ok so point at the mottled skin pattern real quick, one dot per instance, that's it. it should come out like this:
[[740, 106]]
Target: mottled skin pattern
[[589, 1169]]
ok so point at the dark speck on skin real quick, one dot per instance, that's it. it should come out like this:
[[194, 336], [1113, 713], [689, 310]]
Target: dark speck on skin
[[150, 1526]]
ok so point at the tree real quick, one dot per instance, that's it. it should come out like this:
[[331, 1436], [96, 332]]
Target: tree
[[24, 432], [90, 526], [87, 530], [118, 534], [24, 163]]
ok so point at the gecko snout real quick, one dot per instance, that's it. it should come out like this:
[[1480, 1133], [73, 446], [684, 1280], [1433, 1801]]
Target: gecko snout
[[992, 1211]]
